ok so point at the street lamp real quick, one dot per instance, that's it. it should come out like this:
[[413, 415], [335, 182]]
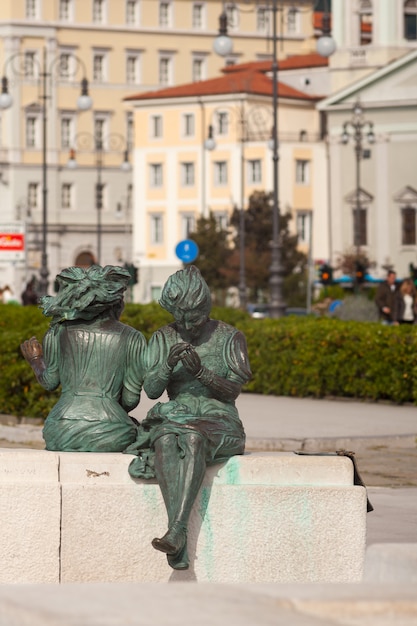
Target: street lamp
[[88, 141], [358, 126], [59, 66], [223, 46]]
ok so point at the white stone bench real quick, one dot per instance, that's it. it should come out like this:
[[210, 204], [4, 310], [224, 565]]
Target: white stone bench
[[263, 517]]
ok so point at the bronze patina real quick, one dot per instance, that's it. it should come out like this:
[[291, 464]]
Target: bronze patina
[[97, 360], [202, 364]]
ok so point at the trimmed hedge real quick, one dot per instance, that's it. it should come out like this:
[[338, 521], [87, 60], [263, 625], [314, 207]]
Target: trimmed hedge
[[293, 356]]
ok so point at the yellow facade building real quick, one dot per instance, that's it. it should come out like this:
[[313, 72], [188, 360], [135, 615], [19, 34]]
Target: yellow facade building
[[204, 147], [121, 47]]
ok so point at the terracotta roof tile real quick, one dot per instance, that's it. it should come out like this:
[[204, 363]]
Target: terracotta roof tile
[[243, 81]]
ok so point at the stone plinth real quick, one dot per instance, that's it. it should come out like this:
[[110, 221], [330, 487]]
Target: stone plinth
[[263, 517]]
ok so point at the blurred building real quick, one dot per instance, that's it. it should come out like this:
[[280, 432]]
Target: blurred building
[[125, 47], [375, 65], [204, 147]]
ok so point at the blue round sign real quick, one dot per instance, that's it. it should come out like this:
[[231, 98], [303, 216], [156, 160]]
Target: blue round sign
[[187, 250]]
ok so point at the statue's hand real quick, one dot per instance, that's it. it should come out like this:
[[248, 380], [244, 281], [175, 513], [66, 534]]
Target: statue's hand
[[176, 353], [191, 361], [31, 349]]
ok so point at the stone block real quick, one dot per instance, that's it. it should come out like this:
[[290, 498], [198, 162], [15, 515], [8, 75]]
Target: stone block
[[259, 518], [30, 516]]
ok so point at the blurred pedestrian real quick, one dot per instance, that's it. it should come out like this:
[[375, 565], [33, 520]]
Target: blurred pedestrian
[[405, 303], [385, 298], [29, 295], [7, 295]]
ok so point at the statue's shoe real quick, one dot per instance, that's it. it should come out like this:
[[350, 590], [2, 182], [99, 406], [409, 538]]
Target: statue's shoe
[[173, 541], [179, 560]]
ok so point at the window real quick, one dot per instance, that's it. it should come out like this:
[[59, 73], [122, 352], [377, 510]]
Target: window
[[360, 235], [100, 130], [31, 8], [365, 22], [98, 11], [293, 21], [31, 131], [132, 12], [220, 173], [262, 19], [232, 13], [198, 69], [222, 123], [304, 226], [188, 125], [65, 10], [33, 195], [67, 131], [408, 226], [410, 20], [187, 225], [99, 73], [65, 69], [222, 220], [302, 172], [254, 171], [66, 196], [156, 291], [198, 15], [156, 175], [157, 231], [132, 69], [187, 174], [164, 14], [129, 130], [156, 126], [165, 70], [30, 66]]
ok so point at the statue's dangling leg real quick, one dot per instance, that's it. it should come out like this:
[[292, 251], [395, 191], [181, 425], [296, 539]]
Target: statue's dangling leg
[[190, 457]]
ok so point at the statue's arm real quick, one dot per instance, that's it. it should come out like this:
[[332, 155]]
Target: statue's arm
[[135, 368], [227, 388], [157, 372], [45, 369]]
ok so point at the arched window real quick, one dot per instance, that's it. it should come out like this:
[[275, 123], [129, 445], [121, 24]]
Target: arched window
[[84, 259], [408, 226], [365, 22], [410, 20], [360, 227]]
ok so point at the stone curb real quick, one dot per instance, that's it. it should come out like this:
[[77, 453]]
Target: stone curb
[[330, 444]]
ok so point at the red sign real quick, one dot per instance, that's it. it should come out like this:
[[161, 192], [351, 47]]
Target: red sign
[[12, 242]]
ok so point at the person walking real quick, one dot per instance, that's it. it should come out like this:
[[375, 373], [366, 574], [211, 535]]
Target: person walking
[[385, 298], [405, 303]]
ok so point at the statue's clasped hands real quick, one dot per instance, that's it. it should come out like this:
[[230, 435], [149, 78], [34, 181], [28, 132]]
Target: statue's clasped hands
[[185, 353], [31, 349]]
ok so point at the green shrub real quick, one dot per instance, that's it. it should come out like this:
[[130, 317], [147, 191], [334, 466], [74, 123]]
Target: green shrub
[[293, 356]]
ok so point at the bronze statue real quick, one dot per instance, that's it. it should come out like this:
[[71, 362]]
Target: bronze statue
[[97, 360], [202, 363]]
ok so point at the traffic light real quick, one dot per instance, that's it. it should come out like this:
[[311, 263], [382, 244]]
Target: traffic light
[[326, 274], [360, 270]]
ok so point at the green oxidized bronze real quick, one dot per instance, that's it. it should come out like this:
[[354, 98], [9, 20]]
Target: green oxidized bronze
[[202, 363], [97, 360]]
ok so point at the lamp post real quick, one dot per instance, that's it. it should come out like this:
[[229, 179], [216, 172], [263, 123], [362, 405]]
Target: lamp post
[[88, 141], [50, 68], [357, 127], [223, 46]]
